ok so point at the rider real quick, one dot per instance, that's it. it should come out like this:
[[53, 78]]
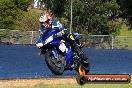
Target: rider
[[45, 24], [48, 24], [45, 21]]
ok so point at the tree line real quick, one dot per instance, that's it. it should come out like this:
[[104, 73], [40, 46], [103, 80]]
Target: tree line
[[89, 16]]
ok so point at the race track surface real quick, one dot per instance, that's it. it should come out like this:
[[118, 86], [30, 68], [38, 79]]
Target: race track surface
[[22, 61]]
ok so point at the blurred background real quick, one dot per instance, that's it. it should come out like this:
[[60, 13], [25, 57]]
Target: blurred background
[[101, 23]]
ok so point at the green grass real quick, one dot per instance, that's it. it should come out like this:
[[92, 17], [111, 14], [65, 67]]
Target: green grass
[[125, 41], [124, 31]]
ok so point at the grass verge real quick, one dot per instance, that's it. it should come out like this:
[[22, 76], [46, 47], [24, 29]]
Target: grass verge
[[55, 83]]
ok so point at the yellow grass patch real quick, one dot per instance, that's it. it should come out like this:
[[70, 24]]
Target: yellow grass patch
[[32, 82]]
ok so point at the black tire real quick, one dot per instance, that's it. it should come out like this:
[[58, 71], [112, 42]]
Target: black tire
[[52, 66], [81, 80], [85, 62], [86, 67]]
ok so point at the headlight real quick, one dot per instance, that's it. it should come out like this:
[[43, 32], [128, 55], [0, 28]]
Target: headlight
[[39, 45], [49, 39]]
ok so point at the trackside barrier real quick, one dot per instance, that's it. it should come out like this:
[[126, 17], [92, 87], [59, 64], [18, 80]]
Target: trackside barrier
[[90, 41]]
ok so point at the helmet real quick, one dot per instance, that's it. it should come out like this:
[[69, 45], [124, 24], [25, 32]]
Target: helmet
[[43, 18]]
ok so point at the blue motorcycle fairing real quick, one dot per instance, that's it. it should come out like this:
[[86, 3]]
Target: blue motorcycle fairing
[[43, 36], [68, 56], [39, 40], [48, 33], [56, 43]]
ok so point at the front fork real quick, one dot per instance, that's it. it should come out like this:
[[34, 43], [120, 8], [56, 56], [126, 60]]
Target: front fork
[[67, 54]]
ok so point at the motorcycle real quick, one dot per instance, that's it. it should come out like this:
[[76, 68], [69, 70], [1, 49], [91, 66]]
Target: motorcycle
[[52, 45]]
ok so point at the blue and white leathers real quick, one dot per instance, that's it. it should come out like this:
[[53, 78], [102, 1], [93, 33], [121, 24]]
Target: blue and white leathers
[[57, 24]]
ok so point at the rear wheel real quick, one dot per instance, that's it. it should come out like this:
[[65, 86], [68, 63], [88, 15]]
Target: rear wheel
[[56, 65], [81, 80], [84, 63]]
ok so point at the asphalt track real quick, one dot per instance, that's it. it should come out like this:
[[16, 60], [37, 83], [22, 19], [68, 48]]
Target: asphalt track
[[22, 61]]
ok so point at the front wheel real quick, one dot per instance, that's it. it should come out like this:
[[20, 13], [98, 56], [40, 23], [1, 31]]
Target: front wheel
[[55, 64]]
